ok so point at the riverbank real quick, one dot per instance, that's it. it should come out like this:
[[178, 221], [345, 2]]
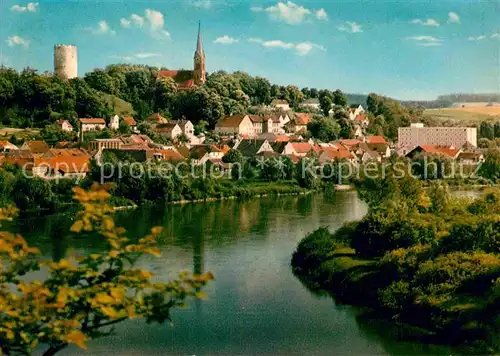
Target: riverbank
[[423, 258]]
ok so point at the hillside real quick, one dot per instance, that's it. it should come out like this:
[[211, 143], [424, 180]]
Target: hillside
[[120, 106]]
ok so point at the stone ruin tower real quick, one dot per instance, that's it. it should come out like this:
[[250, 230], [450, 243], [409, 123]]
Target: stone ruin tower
[[65, 61]]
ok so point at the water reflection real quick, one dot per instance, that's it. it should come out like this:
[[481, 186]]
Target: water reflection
[[255, 305]]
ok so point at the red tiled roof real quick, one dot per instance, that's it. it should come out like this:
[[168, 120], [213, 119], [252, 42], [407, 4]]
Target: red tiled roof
[[167, 74], [186, 85], [449, 151], [301, 147], [331, 154], [170, 155], [282, 138], [350, 142], [65, 152], [93, 121], [376, 139], [37, 147], [80, 164], [129, 121], [302, 119], [361, 117]]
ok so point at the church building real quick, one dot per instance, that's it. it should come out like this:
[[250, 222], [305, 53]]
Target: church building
[[187, 79]]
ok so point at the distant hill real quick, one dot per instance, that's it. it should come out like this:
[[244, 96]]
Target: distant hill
[[353, 99], [446, 101]]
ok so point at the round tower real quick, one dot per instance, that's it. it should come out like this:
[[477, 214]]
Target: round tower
[[65, 61]]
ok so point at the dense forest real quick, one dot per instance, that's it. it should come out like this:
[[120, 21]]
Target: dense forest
[[28, 99]]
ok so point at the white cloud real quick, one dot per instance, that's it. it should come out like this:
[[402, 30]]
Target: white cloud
[[495, 35], [125, 23], [17, 41], [478, 38], [226, 40], [30, 7], [301, 49], [453, 17], [137, 20], [154, 21], [136, 56], [102, 29], [426, 41], [321, 14], [203, 4], [351, 27], [289, 12], [428, 22]]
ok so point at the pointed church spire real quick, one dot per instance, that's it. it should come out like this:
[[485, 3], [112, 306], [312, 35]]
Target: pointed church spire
[[199, 46]]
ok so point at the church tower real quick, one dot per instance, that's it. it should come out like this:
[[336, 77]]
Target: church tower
[[199, 74]]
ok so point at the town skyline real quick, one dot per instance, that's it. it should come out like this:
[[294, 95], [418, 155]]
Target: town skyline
[[411, 51]]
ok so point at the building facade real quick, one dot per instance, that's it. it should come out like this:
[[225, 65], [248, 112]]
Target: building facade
[[418, 134]]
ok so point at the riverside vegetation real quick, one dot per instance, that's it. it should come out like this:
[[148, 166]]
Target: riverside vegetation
[[420, 256]]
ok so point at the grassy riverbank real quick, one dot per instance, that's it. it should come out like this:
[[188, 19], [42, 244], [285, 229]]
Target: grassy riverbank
[[420, 257]]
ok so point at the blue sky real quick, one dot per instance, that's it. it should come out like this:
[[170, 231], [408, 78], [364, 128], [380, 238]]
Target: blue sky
[[408, 49]]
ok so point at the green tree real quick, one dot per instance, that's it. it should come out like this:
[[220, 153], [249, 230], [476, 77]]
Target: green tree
[[324, 129], [233, 156], [325, 103], [486, 130]]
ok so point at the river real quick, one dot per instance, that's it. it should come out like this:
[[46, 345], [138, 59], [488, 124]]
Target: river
[[255, 305]]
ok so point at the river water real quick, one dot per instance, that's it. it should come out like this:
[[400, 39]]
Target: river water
[[255, 305]]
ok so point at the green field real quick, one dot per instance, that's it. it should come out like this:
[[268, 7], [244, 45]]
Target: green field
[[457, 117], [22, 134]]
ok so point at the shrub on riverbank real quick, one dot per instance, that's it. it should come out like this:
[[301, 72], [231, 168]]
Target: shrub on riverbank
[[434, 264]]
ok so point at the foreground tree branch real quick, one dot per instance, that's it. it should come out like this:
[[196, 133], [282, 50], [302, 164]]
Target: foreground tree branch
[[82, 296]]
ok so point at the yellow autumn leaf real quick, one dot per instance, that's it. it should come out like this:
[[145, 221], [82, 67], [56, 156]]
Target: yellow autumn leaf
[[117, 293], [109, 312], [156, 230], [113, 254], [103, 298], [77, 226], [154, 251], [78, 338], [64, 264]]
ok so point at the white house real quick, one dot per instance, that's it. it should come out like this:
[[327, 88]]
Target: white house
[[354, 112], [114, 123], [65, 125], [280, 104], [202, 153], [92, 124], [6, 146], [311, 104], [235, 125], [186, 126], [170, 130]]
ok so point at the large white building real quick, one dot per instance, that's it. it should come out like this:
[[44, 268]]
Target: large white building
[[418, 134]]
